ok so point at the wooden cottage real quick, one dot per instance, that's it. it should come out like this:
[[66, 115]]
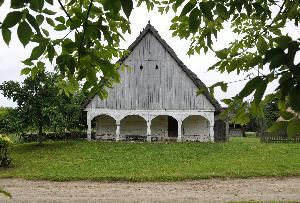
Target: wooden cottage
[[156, 98]]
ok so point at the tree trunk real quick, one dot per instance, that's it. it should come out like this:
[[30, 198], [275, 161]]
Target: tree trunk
[[40, 134]]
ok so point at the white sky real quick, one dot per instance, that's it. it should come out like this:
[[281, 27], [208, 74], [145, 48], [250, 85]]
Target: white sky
[[10, 57]]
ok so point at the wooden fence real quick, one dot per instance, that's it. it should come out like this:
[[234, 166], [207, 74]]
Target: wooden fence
[[278, 138]]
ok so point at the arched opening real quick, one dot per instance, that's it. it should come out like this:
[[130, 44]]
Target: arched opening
[[105, 127], [195, 128], [133, 127], [164, 127]]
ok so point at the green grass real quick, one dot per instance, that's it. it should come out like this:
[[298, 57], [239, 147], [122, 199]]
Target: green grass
[[82, 160]]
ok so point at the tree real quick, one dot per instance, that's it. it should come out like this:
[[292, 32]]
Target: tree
[[259, 44], [97, 26], [261, 123], [40, 105], [66, 113], [11, 121]]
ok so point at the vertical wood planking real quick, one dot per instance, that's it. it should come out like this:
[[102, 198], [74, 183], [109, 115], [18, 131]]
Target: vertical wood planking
[[167, 87]]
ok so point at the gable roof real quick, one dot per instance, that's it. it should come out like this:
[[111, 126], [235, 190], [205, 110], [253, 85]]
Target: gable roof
[[190, 74]]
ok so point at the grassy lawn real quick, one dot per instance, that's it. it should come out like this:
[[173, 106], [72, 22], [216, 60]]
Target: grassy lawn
[[78, 160]]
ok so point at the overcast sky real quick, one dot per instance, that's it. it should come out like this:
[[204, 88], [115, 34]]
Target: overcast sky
[[10, 57]]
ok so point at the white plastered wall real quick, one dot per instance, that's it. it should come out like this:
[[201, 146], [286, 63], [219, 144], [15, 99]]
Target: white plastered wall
[[105, 127], [159, 127], [133, 125], [195, 128]]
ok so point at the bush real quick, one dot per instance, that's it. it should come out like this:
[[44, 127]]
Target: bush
[[33, 137], [5, 150]]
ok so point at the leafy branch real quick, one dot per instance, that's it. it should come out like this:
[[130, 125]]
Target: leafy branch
[[66, 12], [274, 19], [84, 29]]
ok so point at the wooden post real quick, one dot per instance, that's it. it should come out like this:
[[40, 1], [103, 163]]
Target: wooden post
[[89, 130], [179, 138], [149, 131], [118, 131], [211, 132]]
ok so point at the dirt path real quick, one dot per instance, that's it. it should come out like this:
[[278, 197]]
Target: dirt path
[[214, 190]]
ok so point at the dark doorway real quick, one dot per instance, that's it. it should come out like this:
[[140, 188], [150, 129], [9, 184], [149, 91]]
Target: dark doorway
[[172, 127]]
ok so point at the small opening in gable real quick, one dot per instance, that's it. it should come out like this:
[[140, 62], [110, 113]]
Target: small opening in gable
[[141, 67], [156, 67]]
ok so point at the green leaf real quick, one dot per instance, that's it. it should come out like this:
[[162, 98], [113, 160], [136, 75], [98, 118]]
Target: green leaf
[[271, 53], [60, 19], [178, 3], [283, 41], [294, 98], [24, 33], [187, 8], [224, 87], [48, 12], [293, 10], [293, 49], [76, 23], [6, 34], [249, 10], [254, 61], [34, 71], [222, 54], [206, 10], [250, 87], [36, 5], [258, 8], [194, 20], [277, 126], [51, 52], [33, 22], [60, 27], [40, 19], [277, 61], [286, 115], [222, 11], [12, 19], [17, 4], [1, 2], [91, 76], [127, 7], [293, 127], [114, 6], [45, 32], [260, 90], [37, 51], [50, 22], [49, 2], [261, 45], [25, 71]]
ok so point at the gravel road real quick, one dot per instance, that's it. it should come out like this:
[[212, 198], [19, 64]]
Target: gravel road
[[212, 190]]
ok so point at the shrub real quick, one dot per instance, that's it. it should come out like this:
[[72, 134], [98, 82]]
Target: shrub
[[5, 150], [33, 137]]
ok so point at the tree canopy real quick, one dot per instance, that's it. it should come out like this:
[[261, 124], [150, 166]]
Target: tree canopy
[[40, 106], [99, 25]]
